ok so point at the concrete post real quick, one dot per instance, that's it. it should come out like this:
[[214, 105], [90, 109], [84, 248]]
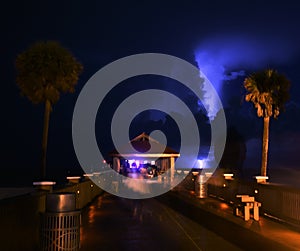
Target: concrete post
[[116, 164], [172, 169]]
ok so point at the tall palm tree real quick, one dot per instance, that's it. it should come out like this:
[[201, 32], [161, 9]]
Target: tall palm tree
[[45, 70], [268, 91]]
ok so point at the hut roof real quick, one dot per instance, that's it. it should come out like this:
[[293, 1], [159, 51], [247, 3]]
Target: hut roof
[[142, 145]]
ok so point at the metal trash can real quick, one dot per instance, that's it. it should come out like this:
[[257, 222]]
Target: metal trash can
[[60, 224], [200, 186]]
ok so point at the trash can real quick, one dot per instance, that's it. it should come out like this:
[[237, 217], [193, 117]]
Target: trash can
[[60, 224], [200, 186]]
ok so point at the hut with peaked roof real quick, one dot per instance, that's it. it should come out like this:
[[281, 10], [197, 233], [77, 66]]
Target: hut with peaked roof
[[159, 155]]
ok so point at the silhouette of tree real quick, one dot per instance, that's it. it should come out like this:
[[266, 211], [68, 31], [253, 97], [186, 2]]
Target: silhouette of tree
[[45, 70], [268, 91]]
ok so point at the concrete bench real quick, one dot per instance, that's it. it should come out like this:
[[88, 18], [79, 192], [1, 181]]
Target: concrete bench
[[248, 203]]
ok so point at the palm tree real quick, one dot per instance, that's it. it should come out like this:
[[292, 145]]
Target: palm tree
[[268, 91], [45, 70]]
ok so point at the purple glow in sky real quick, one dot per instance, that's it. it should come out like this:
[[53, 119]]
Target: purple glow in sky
[[227, 57]]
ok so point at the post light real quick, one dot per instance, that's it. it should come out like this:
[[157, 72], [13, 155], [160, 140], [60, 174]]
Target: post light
[[228, 176], [87, 175], [44, 185], [261, 179], [73, 179]]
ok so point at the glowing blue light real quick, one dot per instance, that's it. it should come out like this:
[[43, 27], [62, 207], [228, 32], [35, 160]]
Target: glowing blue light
[[200, 163], [226, 56]]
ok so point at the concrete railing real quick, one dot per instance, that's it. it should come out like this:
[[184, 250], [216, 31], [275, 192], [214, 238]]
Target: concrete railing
[[277, 201], [280, 201], [20, 216], [85, 191]]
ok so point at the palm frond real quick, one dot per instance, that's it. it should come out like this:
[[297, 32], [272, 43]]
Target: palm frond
[[268, 91]]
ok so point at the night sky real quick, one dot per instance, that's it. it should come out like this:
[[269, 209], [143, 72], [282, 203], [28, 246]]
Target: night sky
[[228, 40]]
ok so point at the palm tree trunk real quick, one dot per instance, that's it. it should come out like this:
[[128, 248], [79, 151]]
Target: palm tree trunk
[[45, 137], [265, 147]]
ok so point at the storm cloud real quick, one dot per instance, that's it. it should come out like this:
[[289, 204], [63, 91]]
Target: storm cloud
[[226, 57]]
